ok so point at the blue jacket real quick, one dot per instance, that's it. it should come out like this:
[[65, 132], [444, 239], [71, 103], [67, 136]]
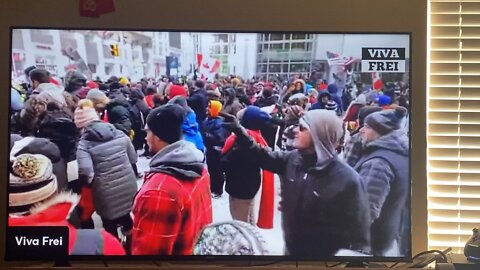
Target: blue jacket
[[191, 131], [214, 132]]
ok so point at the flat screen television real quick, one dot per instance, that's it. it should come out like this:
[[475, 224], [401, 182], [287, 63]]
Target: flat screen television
[[88, 177]]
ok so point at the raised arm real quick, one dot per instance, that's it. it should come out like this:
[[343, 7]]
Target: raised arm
[[274, 161]]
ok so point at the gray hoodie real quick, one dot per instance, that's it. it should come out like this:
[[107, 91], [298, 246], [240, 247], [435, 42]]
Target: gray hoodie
[[180, 159]]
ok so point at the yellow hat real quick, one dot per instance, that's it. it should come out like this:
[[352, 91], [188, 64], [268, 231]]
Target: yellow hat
[[123, 81], [214, 108]]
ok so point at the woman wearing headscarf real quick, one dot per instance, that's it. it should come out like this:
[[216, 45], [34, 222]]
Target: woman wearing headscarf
[[324, 204]]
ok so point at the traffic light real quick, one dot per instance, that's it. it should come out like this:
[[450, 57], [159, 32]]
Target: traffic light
[[114, 49]]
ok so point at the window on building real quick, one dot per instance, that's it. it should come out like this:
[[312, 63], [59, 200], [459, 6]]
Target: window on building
[[277, 36], [275, 68], [300, 67], [299, 45], [276, 46], [221, 38], [41, 36], [299, 36]]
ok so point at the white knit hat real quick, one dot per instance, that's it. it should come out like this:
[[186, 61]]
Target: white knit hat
[[83, 117]]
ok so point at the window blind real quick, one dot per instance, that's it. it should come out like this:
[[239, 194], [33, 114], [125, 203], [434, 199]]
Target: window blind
[[453, 122]]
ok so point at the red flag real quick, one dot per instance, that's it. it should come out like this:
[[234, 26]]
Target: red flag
[[377, 83], [206, 66], [215, 66], [199, 59], [95, 8]]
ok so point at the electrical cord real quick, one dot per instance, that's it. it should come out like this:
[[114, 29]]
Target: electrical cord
[[443, 258]]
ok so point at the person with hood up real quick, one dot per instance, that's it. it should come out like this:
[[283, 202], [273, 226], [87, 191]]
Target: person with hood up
[[74, 81], [214, 137], [324, 98], [118, 112], [138, 114], [174, 203], [384, 169], [104, 156], [243, 175], [298, 87], [190, 127], [198, 102], [324, 202], [333, 90], [231, 105], [34, 200]]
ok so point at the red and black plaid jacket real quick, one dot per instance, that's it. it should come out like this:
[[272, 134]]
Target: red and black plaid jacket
[[169, 213]]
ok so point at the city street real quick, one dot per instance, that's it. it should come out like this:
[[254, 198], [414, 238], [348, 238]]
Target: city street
[[273, 237]]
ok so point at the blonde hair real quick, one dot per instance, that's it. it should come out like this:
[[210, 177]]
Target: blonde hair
[[85, 103]]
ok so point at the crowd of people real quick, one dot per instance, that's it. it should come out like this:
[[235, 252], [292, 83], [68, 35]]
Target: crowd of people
[[342, 158]]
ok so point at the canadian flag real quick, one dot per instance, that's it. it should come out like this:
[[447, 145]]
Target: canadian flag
[[207, 66], [377, 83]]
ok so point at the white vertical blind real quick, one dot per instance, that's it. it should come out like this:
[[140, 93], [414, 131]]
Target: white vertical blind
[[453, 123]]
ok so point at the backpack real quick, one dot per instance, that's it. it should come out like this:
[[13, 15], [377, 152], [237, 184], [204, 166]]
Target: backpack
[[136, 117]]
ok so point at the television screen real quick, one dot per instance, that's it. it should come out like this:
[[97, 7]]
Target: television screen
[[290, 145]]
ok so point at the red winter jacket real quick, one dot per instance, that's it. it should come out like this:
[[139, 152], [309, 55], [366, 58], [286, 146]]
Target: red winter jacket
[[169, 213], [55, 212]]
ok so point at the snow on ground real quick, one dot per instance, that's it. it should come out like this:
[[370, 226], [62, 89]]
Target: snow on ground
[[221, 212]]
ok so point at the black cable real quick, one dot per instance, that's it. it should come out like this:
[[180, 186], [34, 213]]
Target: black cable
[[430, 260]]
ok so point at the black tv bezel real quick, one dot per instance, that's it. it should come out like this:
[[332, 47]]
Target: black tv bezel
[[223, 258]]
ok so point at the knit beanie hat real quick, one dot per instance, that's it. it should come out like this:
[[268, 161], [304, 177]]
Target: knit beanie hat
[[180, 100], [166, 122], [254, 118], [31, 181], [331, 105], [386, 121], [294, 112], [214, 108], [177, 90], [365, 111], [83, 117], [384, 100], [230, 238]]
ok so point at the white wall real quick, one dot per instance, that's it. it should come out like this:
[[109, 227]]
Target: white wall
[[351, 44]]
